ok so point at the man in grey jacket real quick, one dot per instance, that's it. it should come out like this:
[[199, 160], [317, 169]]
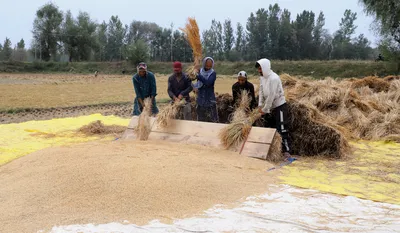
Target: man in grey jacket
[[272, 103]]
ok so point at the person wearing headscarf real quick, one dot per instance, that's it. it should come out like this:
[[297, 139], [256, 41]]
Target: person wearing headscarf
[[272, 103], [144, 83], [206, 101], [241, 85], [179, 87]]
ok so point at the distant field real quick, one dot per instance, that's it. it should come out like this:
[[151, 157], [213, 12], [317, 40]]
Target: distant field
[[316, 69], [20, 91]]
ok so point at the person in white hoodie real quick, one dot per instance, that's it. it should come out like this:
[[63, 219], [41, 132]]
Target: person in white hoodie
[[272, 103]]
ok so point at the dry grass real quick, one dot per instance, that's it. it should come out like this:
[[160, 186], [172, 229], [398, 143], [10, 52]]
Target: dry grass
[[168, 113], [98, 128], [275, 151], [366, 108], [239, 128], [192, 34], [144, 127], [66, 90]]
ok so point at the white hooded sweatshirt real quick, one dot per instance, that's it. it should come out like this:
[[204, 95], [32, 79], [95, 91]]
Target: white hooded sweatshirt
[[271, 94]]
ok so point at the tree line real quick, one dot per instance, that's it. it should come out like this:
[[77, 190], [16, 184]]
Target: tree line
[[269, 32]]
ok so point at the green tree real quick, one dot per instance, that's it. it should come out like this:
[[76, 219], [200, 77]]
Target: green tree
[[161, 45], [7, 49], [240, 38], [1, 52], [212, 41], [287, 37], [257, 28], [304, 26], [229, 38], [274, 30], [145, 31], [180, 48], [387, 15], [138, 52], [342, 47], [347, 26], [86, 36], [46, 30], [116, 32], [102, 41], [317, 36], [21, 44], [70, 36], [216, 27], [362, 47], [79, 36], [326, 46]]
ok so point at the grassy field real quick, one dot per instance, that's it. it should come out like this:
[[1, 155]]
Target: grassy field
[[21, 91], [316, 69]]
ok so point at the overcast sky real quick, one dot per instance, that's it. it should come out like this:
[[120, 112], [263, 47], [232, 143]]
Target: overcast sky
[[16, 16]]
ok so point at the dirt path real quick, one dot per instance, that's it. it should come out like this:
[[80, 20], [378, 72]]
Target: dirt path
[[117, 181]]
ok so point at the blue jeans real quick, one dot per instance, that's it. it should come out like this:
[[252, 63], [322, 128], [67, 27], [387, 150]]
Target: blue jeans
[[207, 114]]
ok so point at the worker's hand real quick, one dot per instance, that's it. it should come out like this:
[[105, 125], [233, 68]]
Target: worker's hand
[[180, 97], [261, 112], [176, 99]]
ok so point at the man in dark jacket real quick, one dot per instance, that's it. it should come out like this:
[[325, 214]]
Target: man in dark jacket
[[241, 85], [179, 87]]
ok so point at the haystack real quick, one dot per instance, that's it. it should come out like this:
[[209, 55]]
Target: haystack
[[375, 83], [98, 128], [360, 108], [192, 35], [275, 151], [312, 135]]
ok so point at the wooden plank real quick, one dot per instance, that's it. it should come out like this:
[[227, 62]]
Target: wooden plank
[[129, 134], [135, 121], [187, 139], [261, 135], [193, 128], [256, 150]]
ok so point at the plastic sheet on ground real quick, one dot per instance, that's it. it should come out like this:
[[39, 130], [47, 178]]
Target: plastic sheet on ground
[[372, 173], [20, 139], [283, 209]]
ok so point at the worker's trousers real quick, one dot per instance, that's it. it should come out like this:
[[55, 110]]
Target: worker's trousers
[[278, 118]]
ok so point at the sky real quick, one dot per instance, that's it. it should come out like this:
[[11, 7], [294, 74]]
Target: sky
[[17, 17]]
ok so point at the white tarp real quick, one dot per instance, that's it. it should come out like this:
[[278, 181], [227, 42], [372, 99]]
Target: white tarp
[[285, 209]]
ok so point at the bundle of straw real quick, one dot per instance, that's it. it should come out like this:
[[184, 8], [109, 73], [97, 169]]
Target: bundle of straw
[[143, 129], [192, 35], [239, 128], [168, 113]]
